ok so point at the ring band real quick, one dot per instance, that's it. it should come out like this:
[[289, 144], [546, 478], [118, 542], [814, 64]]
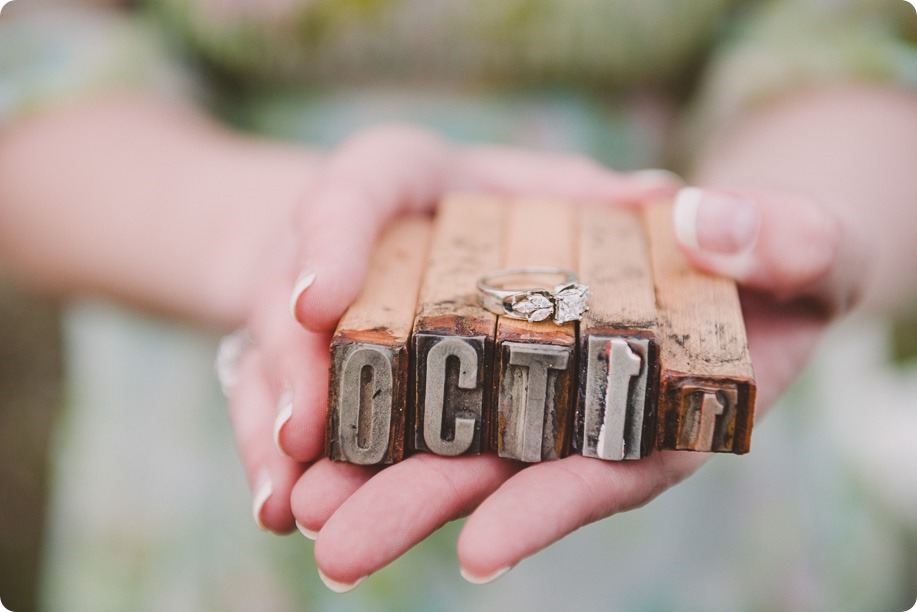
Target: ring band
[[564, 303], [229, 353]]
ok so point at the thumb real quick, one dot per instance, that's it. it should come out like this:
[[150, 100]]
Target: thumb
[[372, 178], [788, 246]]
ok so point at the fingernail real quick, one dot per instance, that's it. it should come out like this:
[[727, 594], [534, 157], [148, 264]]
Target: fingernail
[[657, 177], [284, 414], [483, 579], [339, 587], [305, 280], [263, 490], [715, 221], [311, 535]]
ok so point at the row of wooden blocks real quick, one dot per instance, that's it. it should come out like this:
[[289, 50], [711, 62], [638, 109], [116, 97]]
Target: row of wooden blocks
[[660, 361]]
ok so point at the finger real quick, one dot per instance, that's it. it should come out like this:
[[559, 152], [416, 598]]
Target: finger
[[321, 491], [270, 475], [398, 508], [545, 502], [301, 365], [299, 427], [781, 340], [575, 178], [371, 178], [787, 246], [296, 362], [396, 169]]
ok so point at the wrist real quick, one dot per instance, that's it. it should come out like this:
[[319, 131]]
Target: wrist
[[263, 186]]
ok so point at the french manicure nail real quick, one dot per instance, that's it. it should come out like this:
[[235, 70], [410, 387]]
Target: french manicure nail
[[305, 280], [483, 579], [339, 587], [714, 221], [263, 490], [284, 414], [311, 535], [657, 177]]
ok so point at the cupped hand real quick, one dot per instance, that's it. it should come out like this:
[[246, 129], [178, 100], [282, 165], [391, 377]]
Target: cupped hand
[[799, 267], [278, 401]]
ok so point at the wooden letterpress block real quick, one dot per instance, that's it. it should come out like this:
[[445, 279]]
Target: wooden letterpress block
[[453, 334], [707, 387], [615, 416], [535, 362], [368, 392]]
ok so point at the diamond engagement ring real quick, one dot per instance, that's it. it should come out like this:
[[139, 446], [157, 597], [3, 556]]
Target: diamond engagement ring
[[565, 303]]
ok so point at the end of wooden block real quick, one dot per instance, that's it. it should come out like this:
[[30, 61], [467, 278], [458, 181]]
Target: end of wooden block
[[615, 415], [452, 391], [367, 403], [533, 397], [705, 414]]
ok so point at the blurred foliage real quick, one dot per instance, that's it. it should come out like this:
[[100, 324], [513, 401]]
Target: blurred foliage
[[904, 336]]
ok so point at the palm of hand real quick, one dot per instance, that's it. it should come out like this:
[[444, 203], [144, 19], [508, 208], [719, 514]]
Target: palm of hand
[[364, 518]]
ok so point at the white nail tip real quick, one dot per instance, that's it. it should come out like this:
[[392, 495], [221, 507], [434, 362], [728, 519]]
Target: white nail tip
[[284, 414], [339, 587], [304, 281], [658, 175], [311, 535], [687, 203], [483, 579], [263, 490]]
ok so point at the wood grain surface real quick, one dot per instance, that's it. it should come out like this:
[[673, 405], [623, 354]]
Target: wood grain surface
[[453, 335], [368, 392], [535, 362], [707, 387], [618, 365]]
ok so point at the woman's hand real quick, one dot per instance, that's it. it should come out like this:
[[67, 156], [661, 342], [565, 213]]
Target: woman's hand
[[799, 267], [279, 402]]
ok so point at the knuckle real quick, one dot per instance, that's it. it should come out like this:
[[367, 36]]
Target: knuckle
[[820, 260]]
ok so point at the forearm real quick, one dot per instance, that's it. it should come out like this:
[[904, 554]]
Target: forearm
[[853, 149], [147, 202]]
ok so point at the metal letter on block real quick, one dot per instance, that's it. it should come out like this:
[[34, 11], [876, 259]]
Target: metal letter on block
[[532, 403], [706, 381], [616, 405], [451, 400], [361, 418], [708, 422], [363, 403], [368, 390], [619, 362], [453, 339]]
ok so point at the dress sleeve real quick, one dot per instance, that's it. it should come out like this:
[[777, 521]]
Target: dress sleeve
[[53, 56], [791, 45]]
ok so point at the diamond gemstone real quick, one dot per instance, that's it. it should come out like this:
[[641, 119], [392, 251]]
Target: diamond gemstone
[[535, 307], [571, 303], [540, 315]]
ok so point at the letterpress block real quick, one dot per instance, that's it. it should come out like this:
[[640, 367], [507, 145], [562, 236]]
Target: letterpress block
[[535, 361], [615, 416], [366, 422], [453, 335], [707, 387], [368, 391]]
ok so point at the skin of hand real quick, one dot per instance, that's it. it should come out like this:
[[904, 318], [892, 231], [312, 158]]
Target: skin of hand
[[144, 237], [195, 221], [282, 390], [784, 225]]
